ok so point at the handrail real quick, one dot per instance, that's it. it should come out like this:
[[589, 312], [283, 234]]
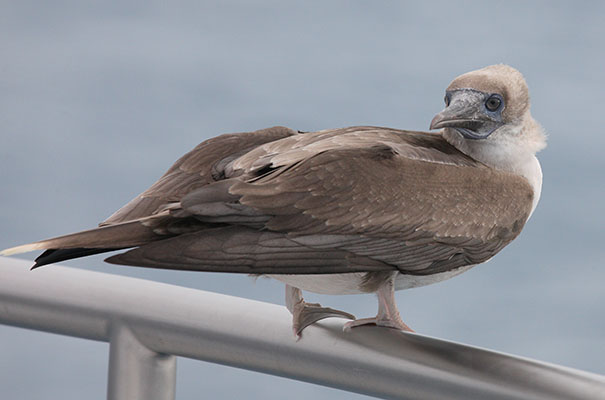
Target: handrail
[[148, 323]]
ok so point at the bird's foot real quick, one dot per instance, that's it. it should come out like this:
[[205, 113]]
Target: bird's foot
[[305, 314], [387, 316], [393, 323]]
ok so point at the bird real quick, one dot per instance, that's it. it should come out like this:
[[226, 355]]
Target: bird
[[361, 209]]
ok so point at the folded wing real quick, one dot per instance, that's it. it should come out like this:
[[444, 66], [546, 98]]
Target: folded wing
[[360, 199]]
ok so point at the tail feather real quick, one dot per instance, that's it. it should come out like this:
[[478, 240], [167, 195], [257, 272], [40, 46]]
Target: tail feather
[[24, 248], [93, 241], [52, 256]]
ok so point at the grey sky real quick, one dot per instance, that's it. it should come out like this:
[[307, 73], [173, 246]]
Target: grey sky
[[98, 99]]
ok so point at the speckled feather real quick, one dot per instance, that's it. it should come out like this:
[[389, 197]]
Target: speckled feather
[[408, 200]]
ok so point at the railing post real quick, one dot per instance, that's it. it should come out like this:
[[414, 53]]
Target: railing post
[[135, 372]]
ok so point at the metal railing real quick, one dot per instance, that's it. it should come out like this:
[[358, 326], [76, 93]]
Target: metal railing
[[147, 324]]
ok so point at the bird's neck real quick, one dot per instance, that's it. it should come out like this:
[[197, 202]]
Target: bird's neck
[[512, 149], [508, 149]]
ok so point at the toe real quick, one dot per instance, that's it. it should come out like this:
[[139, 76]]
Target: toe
[[308, 315]]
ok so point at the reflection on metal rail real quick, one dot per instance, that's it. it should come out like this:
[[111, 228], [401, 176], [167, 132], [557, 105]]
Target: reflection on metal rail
[[147, 324]]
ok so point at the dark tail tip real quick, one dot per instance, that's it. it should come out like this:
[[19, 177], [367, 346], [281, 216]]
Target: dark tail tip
[[52, 256]]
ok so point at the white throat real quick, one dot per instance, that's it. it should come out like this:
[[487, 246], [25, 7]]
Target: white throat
[[512, 148]]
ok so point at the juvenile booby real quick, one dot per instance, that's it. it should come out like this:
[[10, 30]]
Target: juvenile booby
[[352, 210]]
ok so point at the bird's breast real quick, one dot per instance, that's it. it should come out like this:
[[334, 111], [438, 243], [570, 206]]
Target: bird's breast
[[351, 283], [356, 282]]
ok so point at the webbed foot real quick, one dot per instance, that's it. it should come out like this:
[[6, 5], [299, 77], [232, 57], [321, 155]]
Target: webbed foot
[[305, 314]]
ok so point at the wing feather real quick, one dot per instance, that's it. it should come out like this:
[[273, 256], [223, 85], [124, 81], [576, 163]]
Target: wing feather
[[346, 200], [436, 214], [245, 250], [205, 164]]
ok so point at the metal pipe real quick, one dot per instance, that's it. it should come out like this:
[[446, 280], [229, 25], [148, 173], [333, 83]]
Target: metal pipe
[[253, 335], [135, 372]]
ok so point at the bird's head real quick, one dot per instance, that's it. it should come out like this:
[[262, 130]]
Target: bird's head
[[489, 106], [483, 102]]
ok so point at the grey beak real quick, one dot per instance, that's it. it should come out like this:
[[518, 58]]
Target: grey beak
[[439, 121], [466, 114], [459, 114]]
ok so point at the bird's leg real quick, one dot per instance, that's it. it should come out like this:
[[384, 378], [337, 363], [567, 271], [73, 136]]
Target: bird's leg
[[388, 315], [305, 314]]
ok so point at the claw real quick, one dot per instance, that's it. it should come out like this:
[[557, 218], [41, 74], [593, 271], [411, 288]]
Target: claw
[[387, 316], [387, 323], [305, 314], [311, 313]]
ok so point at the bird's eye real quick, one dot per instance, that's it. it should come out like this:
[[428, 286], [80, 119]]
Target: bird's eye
[[493, 103], [446, 100]]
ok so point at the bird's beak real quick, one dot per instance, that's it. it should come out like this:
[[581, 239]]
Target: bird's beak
[[466, 114], [450, 117], [461, 113]]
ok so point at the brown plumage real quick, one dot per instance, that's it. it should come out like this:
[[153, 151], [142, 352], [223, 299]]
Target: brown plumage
[[337, 211]]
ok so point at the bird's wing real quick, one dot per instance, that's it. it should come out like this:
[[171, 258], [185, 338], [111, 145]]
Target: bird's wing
[[246, 250], [203, 165], [150, 216], [385, 198]]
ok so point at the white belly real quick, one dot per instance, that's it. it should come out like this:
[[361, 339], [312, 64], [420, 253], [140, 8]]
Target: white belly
[[351, 283]]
